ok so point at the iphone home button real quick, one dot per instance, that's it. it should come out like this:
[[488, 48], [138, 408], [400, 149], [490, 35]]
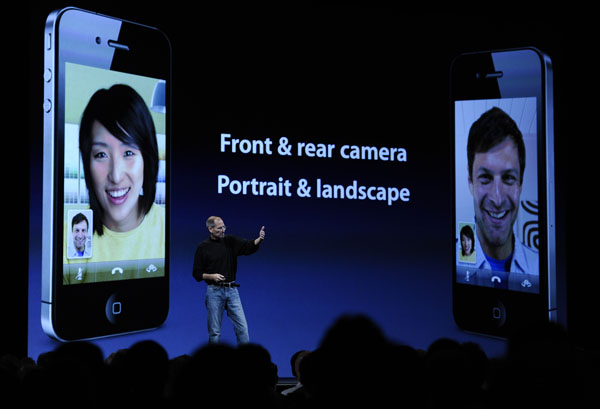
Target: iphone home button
[[498, 313], [114, 308]]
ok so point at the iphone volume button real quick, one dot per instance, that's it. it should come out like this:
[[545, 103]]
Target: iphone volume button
[[47, 105]]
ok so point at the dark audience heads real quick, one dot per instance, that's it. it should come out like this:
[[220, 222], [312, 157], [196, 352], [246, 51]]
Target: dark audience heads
[[454, 374], [539, 369], [354, 365], [295, 362]]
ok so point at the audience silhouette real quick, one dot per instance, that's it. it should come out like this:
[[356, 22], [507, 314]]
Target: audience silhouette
[[354, 365]]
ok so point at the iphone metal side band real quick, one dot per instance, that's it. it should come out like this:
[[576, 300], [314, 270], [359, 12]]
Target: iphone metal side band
[[48, 172], [550, 186]]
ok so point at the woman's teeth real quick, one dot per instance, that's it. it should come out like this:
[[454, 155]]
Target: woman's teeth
[[117, 193]]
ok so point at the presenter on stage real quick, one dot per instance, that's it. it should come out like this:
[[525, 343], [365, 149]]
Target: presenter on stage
[[215, 262]]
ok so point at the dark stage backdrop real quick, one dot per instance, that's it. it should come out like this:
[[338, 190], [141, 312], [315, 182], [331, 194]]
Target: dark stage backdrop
[[345, 234]]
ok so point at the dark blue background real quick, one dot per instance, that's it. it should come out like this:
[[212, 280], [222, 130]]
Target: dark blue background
[[324, 74]]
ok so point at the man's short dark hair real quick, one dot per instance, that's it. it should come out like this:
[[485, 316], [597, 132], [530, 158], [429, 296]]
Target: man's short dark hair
[[78, 218], [490, 130]]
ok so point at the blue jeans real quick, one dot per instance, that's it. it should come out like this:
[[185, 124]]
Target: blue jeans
[[219, 299]]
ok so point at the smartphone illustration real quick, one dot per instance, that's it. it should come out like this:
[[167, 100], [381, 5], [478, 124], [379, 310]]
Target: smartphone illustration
[[105, 253], [504, 269]]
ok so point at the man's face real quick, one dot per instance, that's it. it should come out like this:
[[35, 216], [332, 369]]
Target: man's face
[[80, 235], [218, 230], [496, 188]]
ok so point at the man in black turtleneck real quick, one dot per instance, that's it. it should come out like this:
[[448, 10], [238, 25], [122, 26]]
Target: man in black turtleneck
[[215, 262]]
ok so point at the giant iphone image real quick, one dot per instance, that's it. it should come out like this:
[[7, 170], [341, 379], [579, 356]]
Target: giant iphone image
[[105, 253], [503, 227]]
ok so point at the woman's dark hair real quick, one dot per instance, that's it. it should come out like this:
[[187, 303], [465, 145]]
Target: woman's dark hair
[[123, 112], [468, 232]]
